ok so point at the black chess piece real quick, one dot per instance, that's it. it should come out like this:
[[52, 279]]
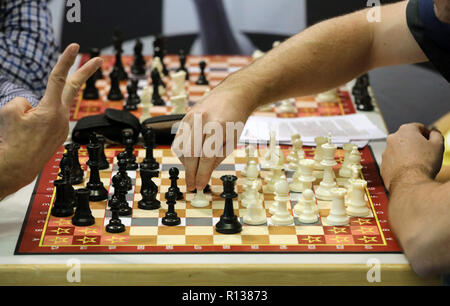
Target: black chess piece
[[171, 218], [156, 81], [123, 208], [229, 223], [90, 92], [122, 163], [128, 141], [98, 192], [103, 163], [205, 190], [173, 176], [83, 214], [149, 162], [159, 48], [182, 58], [65, 162], [202, 78], [363, 101], [133, 98], [98, 75], [76, 173], [115, 94], [138, 67], [149, 190], [117, 43], [63, 206], [115, 225]]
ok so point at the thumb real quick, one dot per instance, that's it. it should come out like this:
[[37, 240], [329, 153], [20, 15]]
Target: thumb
[[436, 138], [18, 106]]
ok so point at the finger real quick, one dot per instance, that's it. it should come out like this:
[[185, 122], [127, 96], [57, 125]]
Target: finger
[[57, 78], [16, 107], [418, 127], [436, 138], [76, 80]]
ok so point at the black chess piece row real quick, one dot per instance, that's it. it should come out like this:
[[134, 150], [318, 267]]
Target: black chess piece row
[[360, 91]]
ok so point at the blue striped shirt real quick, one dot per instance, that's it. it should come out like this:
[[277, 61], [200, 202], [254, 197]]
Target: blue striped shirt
[[27, 49]]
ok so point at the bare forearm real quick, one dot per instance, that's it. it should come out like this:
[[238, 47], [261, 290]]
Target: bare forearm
[[419, 209], [328, 55]]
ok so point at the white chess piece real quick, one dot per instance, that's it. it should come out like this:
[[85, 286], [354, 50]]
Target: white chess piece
[[255, 214], [318, 156], [287, 107], [257, 54], [276, 171], [267, 161], [200, 199], [357, 205], [178, 83], [156, 63], [303, 177], [146, 101], [179, 104], [282, 214], [250, 153], [306, 211], [355, 176], [251, 183], [345, 170], [328, 162], [296, 154], [337, 215], [327, 96], [276, 44], [266, 108]]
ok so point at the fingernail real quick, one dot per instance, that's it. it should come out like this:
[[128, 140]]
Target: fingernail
[[74, 48]]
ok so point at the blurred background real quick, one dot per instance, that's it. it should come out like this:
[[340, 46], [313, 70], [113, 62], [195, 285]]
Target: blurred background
[[405, 94]]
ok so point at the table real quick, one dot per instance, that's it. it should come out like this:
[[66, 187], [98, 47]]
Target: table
[[195, 269]]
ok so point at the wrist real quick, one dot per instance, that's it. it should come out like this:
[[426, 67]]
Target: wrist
[[409, 176]]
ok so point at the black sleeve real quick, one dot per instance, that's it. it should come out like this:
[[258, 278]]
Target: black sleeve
[[432, 35]]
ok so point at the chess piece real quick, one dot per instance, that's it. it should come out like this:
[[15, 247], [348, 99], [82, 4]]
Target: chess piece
[[357, 205], [282, 215], [138, 67], [133, 98], [160, 51], [345, 170], [149, 162], [83, 214], [255, 214], [182, 58], [303, 177], [103, 163], [276, 170], [202, 78], [128, 141], [200, 199], [64, 198], [267, 161], [117, 43], [149, 190], [122, 173], [363, 102], [250, 153], [323, 192], [173, 176], [156, 80], [98, 75], [257, 54], [115, 225], [337, 215], [328, 96], [95, 185], [252, 185], [305, 208], [171, 218], [296, 153], [179, 104], [90, 92], [228, 223], [318, 156], [76, 173], [286, 107], [178, 83], [115, 94]]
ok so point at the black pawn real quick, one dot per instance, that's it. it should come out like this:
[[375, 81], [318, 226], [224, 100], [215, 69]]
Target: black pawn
[[122, 173], [103, 162], [149, 190], [64, 199], [173, 176], [149, 162], [202, 78], [128, 141], [83, 215], [66, 162], [97, 191], [133, 99], [90, 92], [98, 75], [76, 173], [182, 58], [115, 94], [171, 218], [229, 223], [123, 208], [156, 81], [138, 67], [117, 42], [364, 101], [160, 51], [115, 225]]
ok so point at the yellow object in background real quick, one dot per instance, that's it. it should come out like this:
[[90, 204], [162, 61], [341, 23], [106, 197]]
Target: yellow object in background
[[446, 160]]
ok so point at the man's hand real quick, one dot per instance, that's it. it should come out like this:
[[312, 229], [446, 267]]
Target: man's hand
[[202, 142], [442, 10], [412, 153], [30, 136]]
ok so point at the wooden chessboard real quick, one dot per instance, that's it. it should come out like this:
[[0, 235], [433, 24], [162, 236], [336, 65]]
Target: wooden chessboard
[[218, 68], [45, 234]]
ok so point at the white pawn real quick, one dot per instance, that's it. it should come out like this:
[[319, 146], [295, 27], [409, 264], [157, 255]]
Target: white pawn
[[337, 215], [276, 44], [282, 215], [357, 205], [328, 162], [327, 96], [200, 199], [178, 83], [307, 212], [318, 156], [179, 104], [303, 177], [287, 107], [345, 170]]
